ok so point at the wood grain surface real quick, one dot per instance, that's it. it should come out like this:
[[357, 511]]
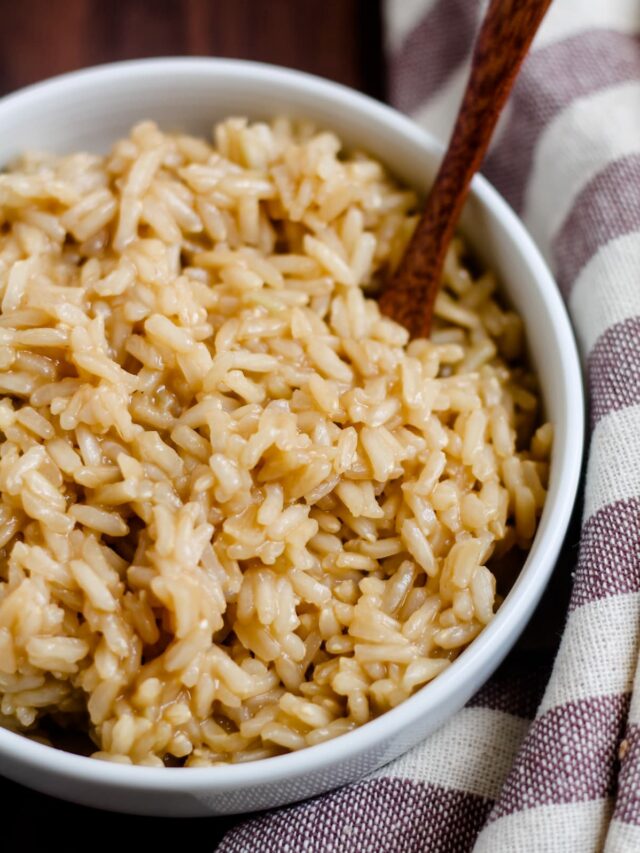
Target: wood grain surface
[[339, 39]]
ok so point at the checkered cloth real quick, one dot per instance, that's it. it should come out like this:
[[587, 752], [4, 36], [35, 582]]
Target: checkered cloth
[[547, 756]]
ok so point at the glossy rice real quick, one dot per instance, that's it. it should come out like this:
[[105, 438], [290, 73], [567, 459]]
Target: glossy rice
[[240, 512]]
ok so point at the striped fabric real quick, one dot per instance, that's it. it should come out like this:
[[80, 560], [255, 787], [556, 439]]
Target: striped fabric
[[544, 758]]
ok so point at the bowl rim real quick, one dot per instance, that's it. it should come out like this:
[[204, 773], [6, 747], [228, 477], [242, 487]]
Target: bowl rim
[[533, 577]]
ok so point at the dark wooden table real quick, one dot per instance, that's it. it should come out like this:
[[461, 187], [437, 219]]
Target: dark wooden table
[[339, 39]]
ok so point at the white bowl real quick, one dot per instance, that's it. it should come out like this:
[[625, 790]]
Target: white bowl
[[89, 110]]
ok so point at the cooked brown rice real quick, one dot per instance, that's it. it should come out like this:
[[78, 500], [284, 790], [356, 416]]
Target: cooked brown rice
[[240, 513]]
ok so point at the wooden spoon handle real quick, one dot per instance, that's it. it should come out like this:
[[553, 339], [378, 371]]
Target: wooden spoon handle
[[505, 36]]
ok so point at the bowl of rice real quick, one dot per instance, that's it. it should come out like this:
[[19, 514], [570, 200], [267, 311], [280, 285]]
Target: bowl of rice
[[242, 515]]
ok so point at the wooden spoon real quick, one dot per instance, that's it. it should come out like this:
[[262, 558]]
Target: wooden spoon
[[505, 36]]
